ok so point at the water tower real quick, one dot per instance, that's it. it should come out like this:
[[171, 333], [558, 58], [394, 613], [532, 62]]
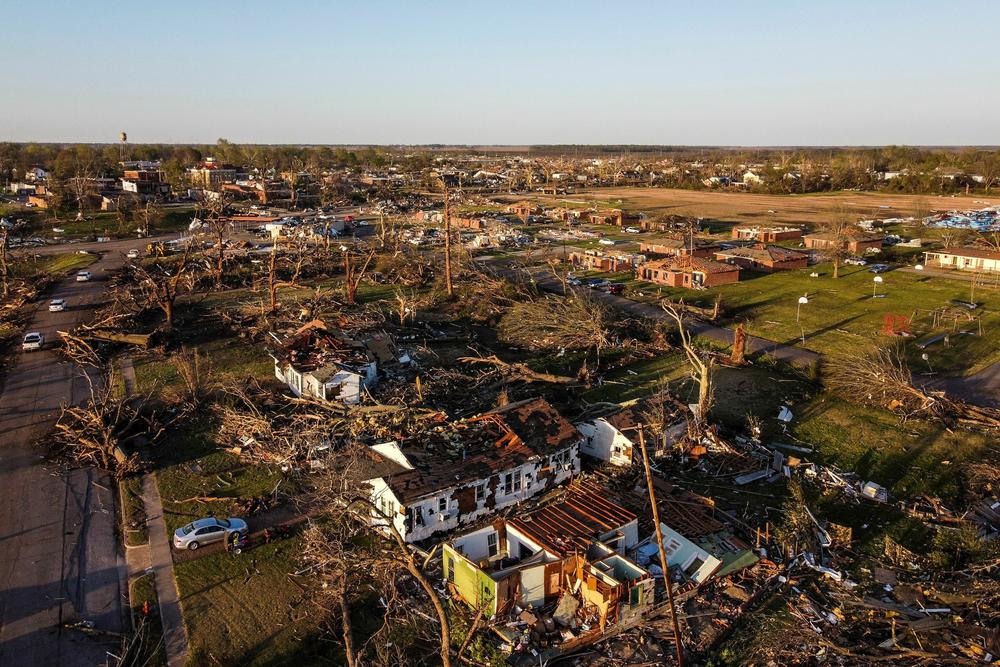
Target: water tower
[[123, 147]]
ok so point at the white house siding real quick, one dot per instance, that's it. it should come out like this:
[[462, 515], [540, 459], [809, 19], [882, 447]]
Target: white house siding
[[434, 522], [605, 443]]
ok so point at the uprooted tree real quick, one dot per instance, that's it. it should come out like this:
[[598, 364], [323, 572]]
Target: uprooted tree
[[102, 431], [882, 378], [573, 322]]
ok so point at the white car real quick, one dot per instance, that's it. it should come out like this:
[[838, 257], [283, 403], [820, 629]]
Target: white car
[[633, 230], [133, 254], [57, 305], [32, 341], [606, 242], [83, 276]]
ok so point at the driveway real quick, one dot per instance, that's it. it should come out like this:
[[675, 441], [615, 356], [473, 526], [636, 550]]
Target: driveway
[[59, 556]]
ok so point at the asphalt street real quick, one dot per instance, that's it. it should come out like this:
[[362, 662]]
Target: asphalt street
[[60, 561]]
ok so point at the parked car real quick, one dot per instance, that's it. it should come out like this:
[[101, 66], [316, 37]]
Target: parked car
[[57, 305], [594, 283], [855, 261], [133, 254], [606, 242], [633, 230], [32, 341], [878, 268], [574, 282], [612, 288], [206, 531], [83, 276]]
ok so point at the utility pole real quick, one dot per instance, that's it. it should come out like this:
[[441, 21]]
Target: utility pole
[[447, 241], [663, 553]]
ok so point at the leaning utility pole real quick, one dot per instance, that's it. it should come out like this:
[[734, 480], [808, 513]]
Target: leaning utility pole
[[447, 241], [663, 554]]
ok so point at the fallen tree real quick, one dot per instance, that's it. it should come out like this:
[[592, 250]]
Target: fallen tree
[[881, 378]]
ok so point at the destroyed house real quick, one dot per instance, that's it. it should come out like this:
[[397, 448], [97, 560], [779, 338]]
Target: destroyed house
[[325, 364], [595, 260], [764, 258], [614, 438], [676, 247], [461, 472], [767, 234], [855, 244], [570, 553]]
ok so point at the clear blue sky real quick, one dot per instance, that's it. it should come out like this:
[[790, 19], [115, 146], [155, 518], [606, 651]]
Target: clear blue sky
[[747, 73]]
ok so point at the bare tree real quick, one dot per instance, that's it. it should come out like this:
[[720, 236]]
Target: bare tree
[[165, 281], [702, 370], [211, 213], [5, 230], [353, 275], [99, 431], [447, 241], [838, 231]]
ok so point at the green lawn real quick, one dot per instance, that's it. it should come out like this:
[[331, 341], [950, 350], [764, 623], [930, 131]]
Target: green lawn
[[908, 459], [52, 265], [133, 512], [191, 465], [248, 610], [232, 359], [842, 318]]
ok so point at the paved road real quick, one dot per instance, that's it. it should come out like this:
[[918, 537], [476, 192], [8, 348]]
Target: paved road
[[59, 556], [982, 388]]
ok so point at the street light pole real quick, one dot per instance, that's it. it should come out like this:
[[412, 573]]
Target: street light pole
[[804, 299], [875, 283]]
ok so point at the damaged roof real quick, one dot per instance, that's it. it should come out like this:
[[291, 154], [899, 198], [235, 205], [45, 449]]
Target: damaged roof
[[582, 515], [467, 451], [764, 253]]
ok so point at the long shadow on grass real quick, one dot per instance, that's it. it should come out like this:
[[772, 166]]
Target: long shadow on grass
[[819, 332]]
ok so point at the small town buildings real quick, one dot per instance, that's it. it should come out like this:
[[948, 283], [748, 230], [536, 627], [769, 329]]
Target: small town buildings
[[854, 244], [465, 471], [595, 260], [689, 272], [35, 174], [523, 209], [571, 552], [966, 259], [145, 183], [767, 234], [764, 258], [211, 174], [324, 364], [679, 247]]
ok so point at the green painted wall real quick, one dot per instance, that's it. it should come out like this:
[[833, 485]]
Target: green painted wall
[[475, 586]]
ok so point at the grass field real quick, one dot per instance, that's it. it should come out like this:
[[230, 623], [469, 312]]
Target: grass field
[[842, 318], [52, 265], [99, 223], [247, 609], [748, 208]]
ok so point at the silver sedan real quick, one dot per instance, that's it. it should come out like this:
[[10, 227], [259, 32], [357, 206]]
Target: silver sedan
[[206, 531]]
